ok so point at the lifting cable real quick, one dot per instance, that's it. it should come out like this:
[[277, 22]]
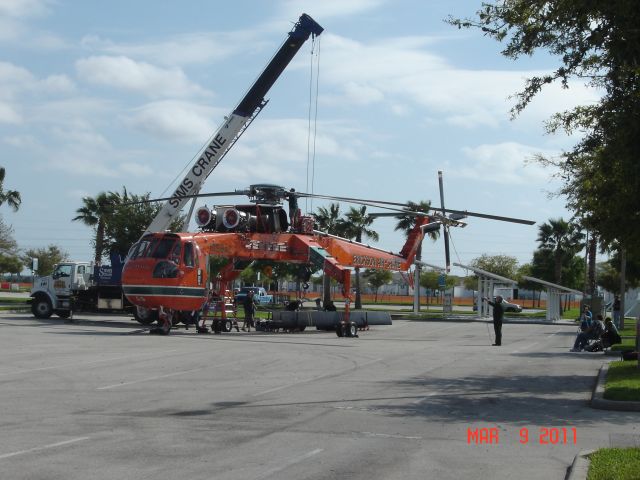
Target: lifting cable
[[313, 111], [454, 248]]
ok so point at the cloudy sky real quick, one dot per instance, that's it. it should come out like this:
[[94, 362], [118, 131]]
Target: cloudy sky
[[96, 96]]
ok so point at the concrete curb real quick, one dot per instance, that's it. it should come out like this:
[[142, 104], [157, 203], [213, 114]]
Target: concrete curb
[[469, 319], [580, 466], [599, 402]]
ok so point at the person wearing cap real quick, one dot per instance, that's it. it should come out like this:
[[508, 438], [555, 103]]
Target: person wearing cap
[[498, 316]]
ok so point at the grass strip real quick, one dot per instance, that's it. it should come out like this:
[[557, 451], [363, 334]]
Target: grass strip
[[623, 383], [14, 300], [618, 463]]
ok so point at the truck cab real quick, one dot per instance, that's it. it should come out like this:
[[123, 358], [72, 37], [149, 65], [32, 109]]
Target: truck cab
[[53, 293], [260, 295]]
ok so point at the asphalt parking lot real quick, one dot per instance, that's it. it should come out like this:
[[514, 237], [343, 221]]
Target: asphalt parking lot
[[100, 398]]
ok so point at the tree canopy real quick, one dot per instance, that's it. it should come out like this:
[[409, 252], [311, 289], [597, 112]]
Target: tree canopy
[[119, 219], [47, 258], [597, 42]]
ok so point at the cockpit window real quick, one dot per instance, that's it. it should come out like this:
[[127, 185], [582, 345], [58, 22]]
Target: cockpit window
[[175, 254], [139, 249], [189, 256], [161, 247], [156, 247]]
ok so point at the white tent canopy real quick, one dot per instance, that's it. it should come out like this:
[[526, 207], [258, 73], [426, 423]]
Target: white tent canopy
[[554, 292], [487, 282]]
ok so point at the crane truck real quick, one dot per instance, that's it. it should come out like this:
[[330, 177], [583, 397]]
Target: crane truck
[[79, 285]]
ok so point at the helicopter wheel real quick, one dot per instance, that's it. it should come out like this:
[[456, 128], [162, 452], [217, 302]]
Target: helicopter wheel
[[352, 330], [145, 316]]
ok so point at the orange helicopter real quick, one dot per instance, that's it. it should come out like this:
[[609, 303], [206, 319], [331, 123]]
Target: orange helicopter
[[167, 274]]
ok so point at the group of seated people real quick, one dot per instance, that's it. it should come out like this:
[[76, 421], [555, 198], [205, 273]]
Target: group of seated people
[[595, 335]]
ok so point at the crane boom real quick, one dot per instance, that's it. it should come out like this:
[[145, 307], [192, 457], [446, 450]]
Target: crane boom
[[235, 123]]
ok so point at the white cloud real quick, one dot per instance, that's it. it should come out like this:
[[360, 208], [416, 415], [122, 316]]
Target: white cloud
[[328, 8], [193, 48], [13, 77], [176, 121], [506, 163], [8, 114], [57, 84], [24, 8], [135, 169], [16, 81], [403, 73], [20, 141], [127, 74]]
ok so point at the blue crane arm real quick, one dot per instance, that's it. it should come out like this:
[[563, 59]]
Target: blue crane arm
[[303, 29]]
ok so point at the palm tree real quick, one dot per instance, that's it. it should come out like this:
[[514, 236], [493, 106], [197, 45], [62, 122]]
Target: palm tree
[[355, 226], [406, 223], [562, 238], [95, 213], [327, 220], [12, 197]]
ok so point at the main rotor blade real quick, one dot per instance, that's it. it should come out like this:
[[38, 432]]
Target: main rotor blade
[[199, 195], [379, 203]]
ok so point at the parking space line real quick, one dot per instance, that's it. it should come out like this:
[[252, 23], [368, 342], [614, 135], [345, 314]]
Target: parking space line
[[76, 364], [149, 379], [43, 447], [290, 463], [313, 379], [158, 377]]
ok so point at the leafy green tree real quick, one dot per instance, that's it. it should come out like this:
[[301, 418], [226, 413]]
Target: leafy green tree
[[9, 259], [564, 239], [598, 42], [609, 274], [127, 220], [47, 258], [503, 265], [328, 220], [11, 197], [10, 264], [526, 269], [632, 271], [572, 269], [249, 275], [430, 280], [119, 219], [8, 244], [356, 226], [377, 278]]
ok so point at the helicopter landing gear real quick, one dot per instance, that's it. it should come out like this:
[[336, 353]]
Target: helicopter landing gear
[[347, 329]]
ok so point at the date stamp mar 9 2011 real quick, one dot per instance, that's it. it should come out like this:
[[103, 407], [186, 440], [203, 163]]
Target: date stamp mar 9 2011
[[538, 436]]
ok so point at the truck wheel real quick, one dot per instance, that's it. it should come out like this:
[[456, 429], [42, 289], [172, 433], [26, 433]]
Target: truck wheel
[[145, 316], [352, 330], [41, 307], [340, 330], [227, 326]]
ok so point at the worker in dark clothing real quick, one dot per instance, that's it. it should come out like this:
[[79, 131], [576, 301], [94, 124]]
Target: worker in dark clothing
[[294, 211], [249, 305], [498, 316]]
